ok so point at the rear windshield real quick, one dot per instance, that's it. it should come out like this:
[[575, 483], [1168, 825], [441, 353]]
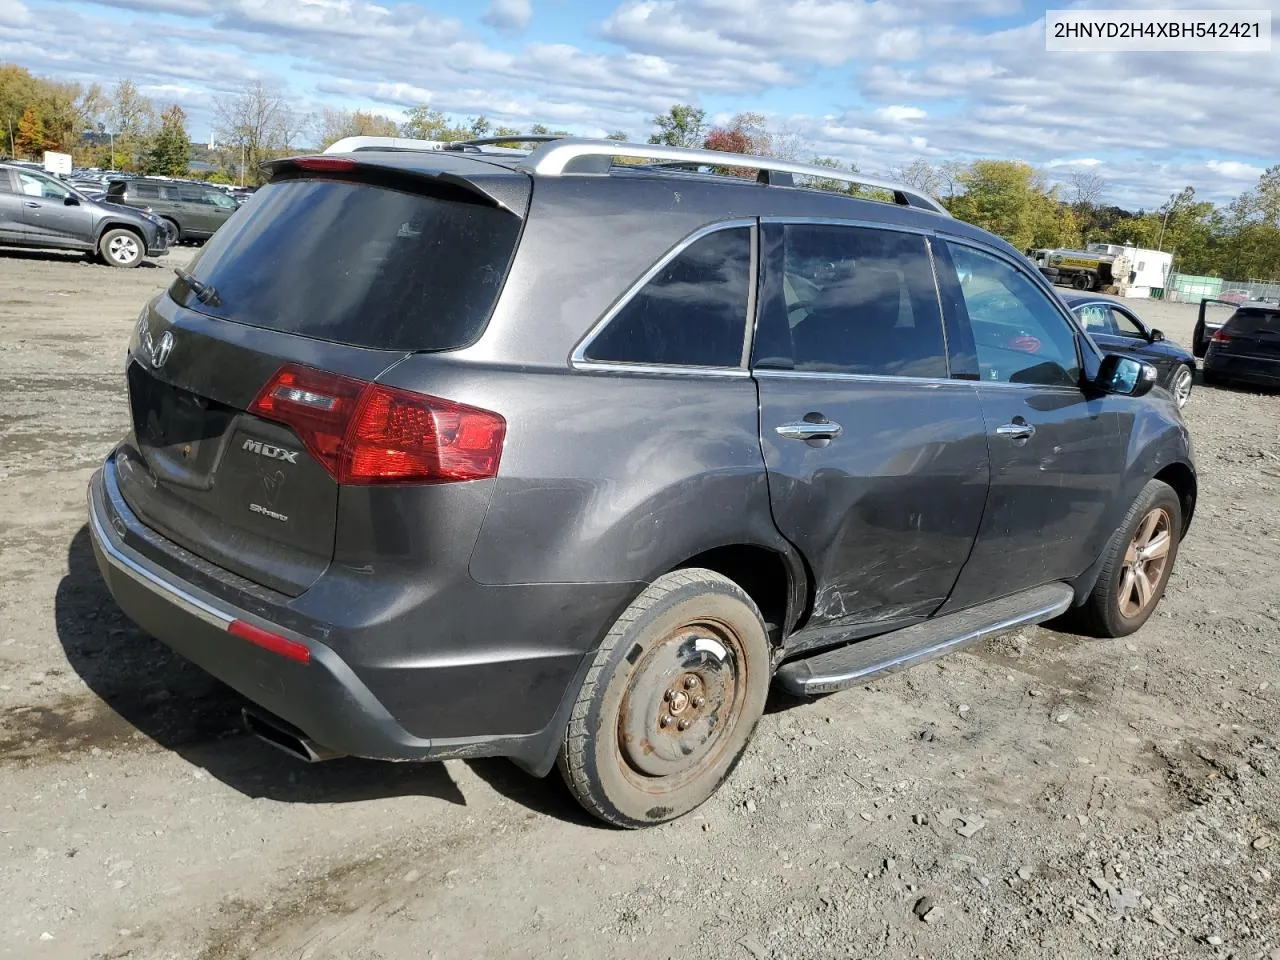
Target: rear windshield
[[1253, 321], [358, 264]]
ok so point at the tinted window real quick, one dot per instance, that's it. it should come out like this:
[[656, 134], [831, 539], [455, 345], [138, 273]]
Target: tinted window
[[1252, 321], [855, 300], [693, 313], [147, 191], [1019, 334], [353, 263]]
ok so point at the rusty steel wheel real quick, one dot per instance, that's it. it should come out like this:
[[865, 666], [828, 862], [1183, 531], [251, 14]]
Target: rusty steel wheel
[[670, 701], [1145, 563], [1135, 565]]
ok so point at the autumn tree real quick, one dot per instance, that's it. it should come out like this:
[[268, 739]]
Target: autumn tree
[[254, 126], [683, 125], [170, 152], [424, 123], [336, 124], [131, 119], [31, 138], [1009, 198]]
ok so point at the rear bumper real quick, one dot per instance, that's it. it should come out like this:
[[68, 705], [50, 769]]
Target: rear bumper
[[1246, 369], [324, 700]]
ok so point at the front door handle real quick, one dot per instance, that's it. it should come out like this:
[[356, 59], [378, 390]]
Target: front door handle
[[1018, 430], [32, 203], [807, 430]]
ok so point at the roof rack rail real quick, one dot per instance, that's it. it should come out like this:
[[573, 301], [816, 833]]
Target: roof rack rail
[[574, 155], [353, 144]]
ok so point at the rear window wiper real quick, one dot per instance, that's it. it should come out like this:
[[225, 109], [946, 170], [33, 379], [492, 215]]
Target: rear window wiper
[[204, 292]]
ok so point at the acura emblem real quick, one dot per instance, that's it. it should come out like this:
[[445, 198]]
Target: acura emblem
[[160, 352]]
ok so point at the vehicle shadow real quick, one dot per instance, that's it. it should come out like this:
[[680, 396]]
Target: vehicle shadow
[[181, 708], [64, 256]]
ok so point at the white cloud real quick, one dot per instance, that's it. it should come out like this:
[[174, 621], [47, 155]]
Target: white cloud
[[1234, 170], [508, 16], [900, 114]]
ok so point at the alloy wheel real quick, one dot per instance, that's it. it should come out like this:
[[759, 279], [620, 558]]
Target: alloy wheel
[[1145, 563]]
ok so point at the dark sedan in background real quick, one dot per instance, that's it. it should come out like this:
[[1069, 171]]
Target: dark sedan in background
[[1117, 329]]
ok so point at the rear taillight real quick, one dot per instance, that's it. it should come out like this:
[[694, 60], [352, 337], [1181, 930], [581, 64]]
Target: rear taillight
[[369, 433], [1221, 336]]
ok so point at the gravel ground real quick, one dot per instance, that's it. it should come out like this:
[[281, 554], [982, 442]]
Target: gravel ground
[[1041, 795]]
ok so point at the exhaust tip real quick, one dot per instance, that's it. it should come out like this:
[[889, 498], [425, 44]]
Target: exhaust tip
[[284, 738]]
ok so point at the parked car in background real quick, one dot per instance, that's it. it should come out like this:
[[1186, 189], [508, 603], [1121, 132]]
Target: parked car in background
[[38, 210], [1246, 348], [1212, 317], [1116, 328], [196, 210], [443, 454]]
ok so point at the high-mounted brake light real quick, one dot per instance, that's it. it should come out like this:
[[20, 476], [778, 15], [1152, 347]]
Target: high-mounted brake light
[[367, 433], [1221, 336], [326, 164]]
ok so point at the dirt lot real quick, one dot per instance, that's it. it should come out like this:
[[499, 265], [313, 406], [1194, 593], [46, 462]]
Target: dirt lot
[[1125, 795]]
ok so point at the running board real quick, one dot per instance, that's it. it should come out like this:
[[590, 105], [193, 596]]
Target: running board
[[858, 662]]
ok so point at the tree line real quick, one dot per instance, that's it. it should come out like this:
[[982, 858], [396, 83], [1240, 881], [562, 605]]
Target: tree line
[[124, 130]]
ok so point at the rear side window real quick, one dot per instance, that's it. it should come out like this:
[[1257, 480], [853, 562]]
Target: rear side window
[[359, 264], [1246, 322], [144, 191], [851, 300], [693, 312]]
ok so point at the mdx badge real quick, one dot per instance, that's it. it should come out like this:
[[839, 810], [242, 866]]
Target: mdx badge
[[272, 452]]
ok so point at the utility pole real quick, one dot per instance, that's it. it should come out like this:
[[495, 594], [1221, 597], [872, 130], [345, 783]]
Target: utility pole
[[112, 135], [1169, 208]]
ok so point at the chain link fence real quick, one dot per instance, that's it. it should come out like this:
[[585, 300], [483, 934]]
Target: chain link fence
[[1185, 288]]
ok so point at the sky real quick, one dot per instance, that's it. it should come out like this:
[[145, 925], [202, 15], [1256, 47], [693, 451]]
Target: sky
[[876, 83]]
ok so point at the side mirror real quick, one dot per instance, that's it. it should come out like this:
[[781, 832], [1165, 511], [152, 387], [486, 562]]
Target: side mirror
[[1125, 376], [70, 201], [1156, 335]]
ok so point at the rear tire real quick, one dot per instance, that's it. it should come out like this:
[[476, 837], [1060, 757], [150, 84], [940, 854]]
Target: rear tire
[[1139, 560], [1082, 281], [670, 701], [122, 248]]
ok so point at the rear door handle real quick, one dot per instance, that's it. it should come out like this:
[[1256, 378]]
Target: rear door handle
[[806, 430], [1018, 430]]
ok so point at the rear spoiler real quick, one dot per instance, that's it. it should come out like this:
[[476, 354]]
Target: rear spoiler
[[499, 188]]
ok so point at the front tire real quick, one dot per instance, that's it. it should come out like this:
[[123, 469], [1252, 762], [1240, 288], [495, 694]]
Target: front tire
[[670, 701], [1180, 386], [121, 248], [1138, 563]]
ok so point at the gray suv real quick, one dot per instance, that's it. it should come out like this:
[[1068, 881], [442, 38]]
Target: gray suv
[[195, 211], [446, 453], [37, 210]]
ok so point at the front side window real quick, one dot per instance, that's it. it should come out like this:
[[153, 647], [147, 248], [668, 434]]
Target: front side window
[[851, 300], [37, 186], [1019, 334], [1125, 325], [146, 191], [692, 313]]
